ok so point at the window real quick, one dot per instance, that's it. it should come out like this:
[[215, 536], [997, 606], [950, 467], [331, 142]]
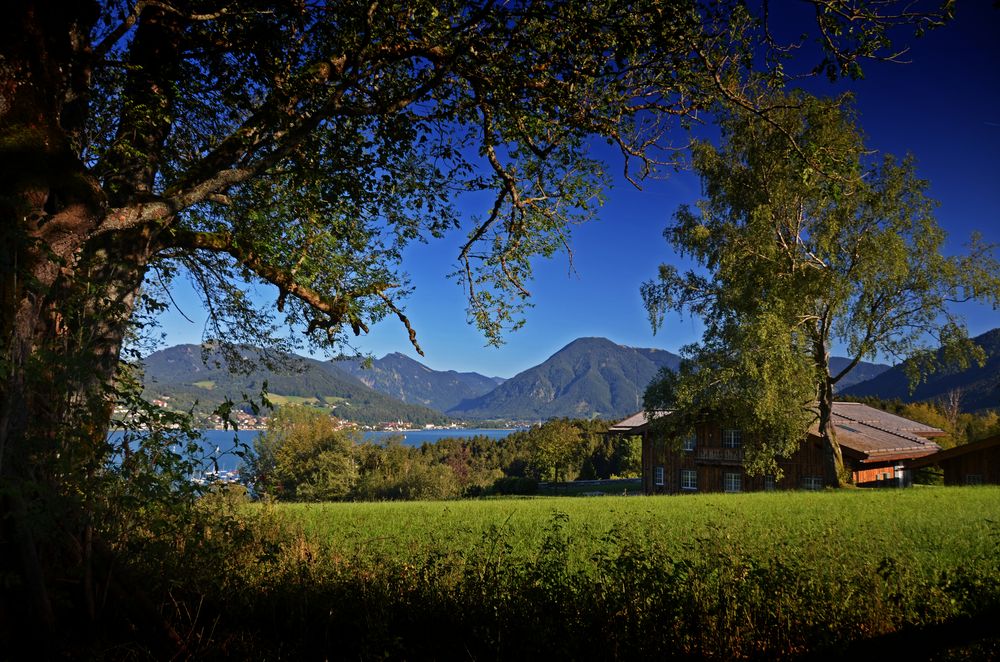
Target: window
[[732, 438], [769, 483], [658, 475], [973, 479], [733, 482], [689, 479], [689, 442], [812, 482]]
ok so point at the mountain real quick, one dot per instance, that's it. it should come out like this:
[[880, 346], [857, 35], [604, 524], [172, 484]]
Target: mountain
[[980, 386], [408, 380], [861, 372], [180, 377], [588, 377]]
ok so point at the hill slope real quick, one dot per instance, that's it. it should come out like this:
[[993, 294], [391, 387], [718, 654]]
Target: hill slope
[[588, 377], [405, 379], [179, 376], [980, 386], [862, 372]]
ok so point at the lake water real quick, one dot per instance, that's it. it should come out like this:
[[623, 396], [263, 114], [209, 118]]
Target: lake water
[[221, 446]]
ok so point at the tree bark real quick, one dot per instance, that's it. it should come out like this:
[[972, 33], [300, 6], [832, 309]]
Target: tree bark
[[67, 296], [836, 474]]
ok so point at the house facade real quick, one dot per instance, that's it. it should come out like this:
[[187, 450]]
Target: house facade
[[874, 445], [977, 463]]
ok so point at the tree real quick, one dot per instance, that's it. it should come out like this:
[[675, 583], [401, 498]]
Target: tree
[[304, 457], [804, 244], [303, 146], [557, 448]]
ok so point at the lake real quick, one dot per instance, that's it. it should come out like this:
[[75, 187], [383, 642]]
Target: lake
[[223, 444]]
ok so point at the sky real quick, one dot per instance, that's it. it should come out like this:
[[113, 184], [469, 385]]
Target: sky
[[943, 107]]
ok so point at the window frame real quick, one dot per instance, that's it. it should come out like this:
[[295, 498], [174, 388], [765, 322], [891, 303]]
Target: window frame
[[689, 473], [659, 476], [689, 443], [731, 480], [732, 438]]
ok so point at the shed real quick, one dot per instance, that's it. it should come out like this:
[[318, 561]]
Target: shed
[[969, 464]]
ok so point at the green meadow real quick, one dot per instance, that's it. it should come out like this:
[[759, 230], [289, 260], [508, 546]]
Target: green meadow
[[766, 575], [927, 528]]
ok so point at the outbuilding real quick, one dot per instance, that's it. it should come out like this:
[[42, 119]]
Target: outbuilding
[[977, 463]]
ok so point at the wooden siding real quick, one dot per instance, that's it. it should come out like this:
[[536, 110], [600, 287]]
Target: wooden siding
[[711, 461], [874, 475], [983, 463]]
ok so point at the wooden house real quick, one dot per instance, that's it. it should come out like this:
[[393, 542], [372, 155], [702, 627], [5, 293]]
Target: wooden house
[[874, 444], [977, 463]]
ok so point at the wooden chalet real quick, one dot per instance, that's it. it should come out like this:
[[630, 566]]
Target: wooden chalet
[[874, 444], [977, 463]]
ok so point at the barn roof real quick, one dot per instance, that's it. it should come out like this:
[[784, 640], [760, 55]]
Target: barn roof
[[883, 420], [877, 435], [864, 431], [635, 422], [957, 451]]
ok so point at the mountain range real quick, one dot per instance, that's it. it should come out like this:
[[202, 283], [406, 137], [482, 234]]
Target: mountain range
[[401, 377], [586, 378], [979, 385], [185, 377]]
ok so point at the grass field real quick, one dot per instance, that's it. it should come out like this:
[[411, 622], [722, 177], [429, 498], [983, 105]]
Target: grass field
[[928, 527], [775, 575]]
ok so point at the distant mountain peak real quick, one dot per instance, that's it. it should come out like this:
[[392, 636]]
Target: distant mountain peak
[[590, 376]]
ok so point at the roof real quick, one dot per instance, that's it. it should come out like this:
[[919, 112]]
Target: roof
[[870, 434], [634, 422], [883, 420], [878, 436], [957, 451]]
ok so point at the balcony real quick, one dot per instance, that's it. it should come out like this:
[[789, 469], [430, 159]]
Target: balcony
[[716, 455]]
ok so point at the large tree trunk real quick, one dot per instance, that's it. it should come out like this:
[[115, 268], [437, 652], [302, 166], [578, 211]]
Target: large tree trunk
[[836, 473], [66, 297]]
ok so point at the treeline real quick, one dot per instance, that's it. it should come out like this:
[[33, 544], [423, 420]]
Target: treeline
[[303, 456]]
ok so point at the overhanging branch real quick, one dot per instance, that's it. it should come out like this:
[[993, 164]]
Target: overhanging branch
[[336, 307]]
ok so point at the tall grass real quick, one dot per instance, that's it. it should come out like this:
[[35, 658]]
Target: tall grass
[[775, 575]]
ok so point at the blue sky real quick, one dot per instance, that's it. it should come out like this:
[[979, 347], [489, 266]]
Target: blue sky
[[944, 107]]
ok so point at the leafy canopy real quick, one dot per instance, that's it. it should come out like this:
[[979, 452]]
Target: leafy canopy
[[805, 241], [305, 145]]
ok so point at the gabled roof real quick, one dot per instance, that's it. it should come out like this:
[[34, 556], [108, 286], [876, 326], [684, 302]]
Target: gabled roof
[[869, 434], [635, 422], [883, 420], [877, 435], [957, 451]]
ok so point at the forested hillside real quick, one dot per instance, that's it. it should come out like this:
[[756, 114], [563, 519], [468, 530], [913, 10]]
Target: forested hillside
[[408, 380], [184, 378], [977, 386], [587, 378]]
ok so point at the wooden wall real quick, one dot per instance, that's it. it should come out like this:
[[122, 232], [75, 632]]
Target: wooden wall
[[807, 461], [984, 463]]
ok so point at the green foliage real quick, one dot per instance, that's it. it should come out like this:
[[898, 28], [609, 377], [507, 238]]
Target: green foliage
[[303, 456], [557, 445], [803, 242], [393, 471], [706, 576]]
